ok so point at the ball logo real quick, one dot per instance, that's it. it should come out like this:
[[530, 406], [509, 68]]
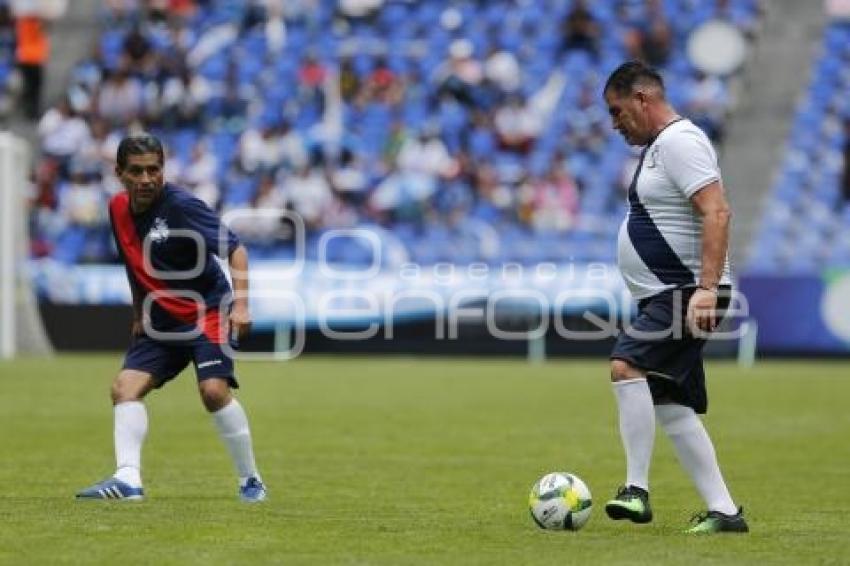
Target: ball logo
[[159, 232]]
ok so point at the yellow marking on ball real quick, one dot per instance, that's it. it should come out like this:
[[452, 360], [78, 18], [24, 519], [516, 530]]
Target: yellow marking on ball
[[572, 499]]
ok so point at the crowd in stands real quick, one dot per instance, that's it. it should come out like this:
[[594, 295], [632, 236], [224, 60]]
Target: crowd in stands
[[8, 44], [461, 131], [24, 52]]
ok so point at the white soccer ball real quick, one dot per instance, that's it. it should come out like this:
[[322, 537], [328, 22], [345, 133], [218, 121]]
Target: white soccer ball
[[560, 501]]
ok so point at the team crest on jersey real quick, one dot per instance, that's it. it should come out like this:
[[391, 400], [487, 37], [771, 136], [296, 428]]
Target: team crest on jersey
[[159, 231], [652, 163]]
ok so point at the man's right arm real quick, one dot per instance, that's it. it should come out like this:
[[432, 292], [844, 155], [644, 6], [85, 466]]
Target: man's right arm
[[137, 327], [711, 204]]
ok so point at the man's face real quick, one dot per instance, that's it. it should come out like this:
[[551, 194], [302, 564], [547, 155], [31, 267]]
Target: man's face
[[142, 176], [629, 116]]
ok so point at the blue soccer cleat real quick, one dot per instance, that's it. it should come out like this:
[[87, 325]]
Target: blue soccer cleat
[[112, 488], [253, 491]]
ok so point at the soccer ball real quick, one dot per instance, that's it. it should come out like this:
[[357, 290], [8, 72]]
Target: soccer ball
[[560, 501]]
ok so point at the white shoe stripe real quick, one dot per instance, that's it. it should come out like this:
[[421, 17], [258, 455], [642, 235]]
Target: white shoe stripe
[[113, 492]]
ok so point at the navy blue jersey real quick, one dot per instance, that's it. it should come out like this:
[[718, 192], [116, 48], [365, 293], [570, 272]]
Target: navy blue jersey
[[168, 250]]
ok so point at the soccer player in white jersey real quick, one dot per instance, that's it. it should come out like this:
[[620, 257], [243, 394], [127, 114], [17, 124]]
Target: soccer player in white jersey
[[672, 253]]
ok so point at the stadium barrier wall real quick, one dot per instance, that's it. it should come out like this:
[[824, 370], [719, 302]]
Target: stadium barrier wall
[[795, 315], [532, 311], [108, 331], [802, 314]]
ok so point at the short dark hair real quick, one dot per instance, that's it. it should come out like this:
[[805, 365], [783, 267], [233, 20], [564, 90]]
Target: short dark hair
[[628, 75], [138, 144]]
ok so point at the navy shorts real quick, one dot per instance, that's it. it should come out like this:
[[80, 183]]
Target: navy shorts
[[165, 359], [659, 343]]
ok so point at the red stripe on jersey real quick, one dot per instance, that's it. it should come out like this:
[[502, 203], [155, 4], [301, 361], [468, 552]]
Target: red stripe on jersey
[[211, 326], [180, 307]]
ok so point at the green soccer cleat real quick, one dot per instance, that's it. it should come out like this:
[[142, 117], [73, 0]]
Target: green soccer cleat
[[631, 503], [717, 522]]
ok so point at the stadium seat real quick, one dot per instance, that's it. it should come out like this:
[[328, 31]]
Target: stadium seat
[[806, 193]]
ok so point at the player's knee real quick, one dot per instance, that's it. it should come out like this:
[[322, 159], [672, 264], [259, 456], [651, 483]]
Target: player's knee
[[129, 387], [622, 370], [215, 393], [116, 392]]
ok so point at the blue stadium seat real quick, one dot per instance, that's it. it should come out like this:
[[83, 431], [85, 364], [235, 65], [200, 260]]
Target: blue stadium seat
[[240, 191], [214, 68], [70, 245], [806, 193]]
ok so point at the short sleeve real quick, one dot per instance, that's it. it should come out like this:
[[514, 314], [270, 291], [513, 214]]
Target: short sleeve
[[199, 217], [690, 161]]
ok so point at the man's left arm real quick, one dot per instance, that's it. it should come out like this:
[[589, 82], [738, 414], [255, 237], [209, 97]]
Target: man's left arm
[[240, 315], [711, 204], [219, 240]]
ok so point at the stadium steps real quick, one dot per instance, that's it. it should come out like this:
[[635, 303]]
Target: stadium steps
[[769, 89], [72, 39]]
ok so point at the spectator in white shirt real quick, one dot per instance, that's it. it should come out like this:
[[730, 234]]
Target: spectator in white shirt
[[707, 104], [516, 125], [120, 100], [182, 99], [201, 175], [502, 69], [426, 154], [101, 148], [259, 149], [552, 201], [310, 195], [357, 9], [62, 133], [82, 201], [265, 222]]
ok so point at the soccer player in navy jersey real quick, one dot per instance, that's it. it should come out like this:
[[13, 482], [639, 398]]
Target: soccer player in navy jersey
[[183, 311], [672, 253]]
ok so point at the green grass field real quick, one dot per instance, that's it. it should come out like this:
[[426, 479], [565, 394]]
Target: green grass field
[[409, 461]]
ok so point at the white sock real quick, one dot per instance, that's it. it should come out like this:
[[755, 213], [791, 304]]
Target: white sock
[[637, 428], [130, 429], [696, 453], [232, 425]]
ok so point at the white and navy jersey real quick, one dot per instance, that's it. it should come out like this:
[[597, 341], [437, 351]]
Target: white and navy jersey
[[660, 241]]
